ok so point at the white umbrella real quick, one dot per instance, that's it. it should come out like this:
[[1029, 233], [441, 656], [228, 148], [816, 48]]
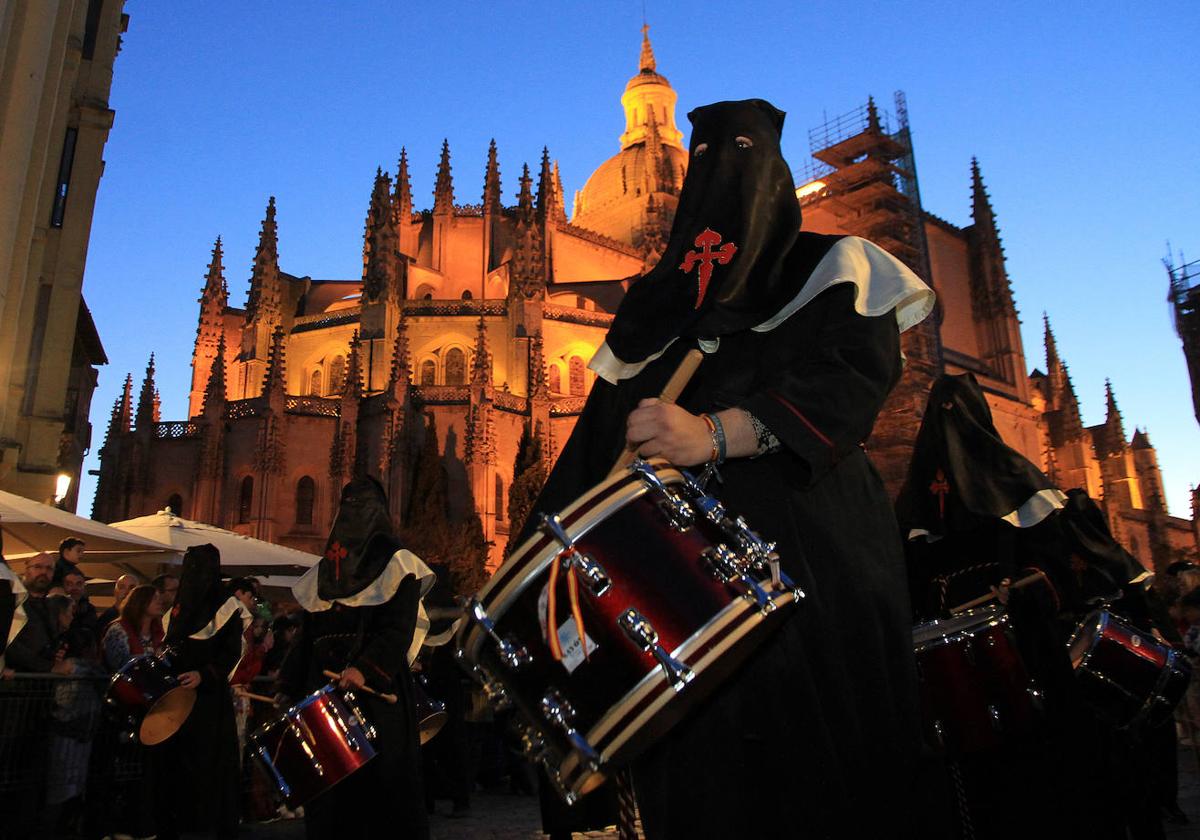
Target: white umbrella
[[30, 527], [243, 553]]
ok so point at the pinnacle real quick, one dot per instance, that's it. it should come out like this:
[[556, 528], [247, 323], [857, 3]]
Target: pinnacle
[[646, 62], [443, 189]]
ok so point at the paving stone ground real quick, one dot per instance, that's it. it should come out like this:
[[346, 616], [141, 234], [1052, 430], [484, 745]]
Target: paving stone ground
[[502, 816]]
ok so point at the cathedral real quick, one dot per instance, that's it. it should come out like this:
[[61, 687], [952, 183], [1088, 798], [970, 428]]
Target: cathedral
[[463, 347]]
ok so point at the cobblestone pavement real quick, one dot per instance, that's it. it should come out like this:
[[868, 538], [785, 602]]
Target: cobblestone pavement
[[496, 816]]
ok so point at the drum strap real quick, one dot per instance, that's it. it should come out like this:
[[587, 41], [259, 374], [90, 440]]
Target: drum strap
[[626, 806]]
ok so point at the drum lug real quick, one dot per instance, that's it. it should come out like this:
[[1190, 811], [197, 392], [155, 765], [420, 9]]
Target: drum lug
[[642, 633], [512, 655], [722, 563], [560, 713], [594, 576], [678, 512]]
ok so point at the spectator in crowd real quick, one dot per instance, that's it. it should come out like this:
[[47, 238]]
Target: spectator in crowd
[[123, 586], [168, 588], [70, 555], [138, 629], [36, 648], [12, 614], [83, 636], [259, 642]]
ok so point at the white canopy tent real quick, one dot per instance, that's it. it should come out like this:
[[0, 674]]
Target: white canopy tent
[[31, 527], [240, 555]]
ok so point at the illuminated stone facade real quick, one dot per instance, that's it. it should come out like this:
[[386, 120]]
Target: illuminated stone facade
[[482, 317]]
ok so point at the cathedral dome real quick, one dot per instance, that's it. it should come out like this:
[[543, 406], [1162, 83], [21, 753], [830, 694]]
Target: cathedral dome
[[650, 165]]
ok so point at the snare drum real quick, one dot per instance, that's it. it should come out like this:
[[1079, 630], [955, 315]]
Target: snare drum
[[1128, 676], [673, 592], [975, 692], [147, 692], [431, 714], [314, 744]]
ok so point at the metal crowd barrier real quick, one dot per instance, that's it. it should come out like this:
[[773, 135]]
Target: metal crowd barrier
[[57, 741]]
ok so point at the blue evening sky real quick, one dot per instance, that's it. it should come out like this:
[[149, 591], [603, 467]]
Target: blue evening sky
[[1082, 116]]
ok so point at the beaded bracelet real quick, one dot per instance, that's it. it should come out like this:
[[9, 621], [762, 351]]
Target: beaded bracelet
[[717, 431]]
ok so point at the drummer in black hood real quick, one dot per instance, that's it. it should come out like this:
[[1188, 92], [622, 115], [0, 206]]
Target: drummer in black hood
[[364, 621], [801, 336], [195, 773]]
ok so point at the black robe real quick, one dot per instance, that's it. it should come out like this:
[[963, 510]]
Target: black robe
[[818, 732], [195, 773], [384, 798]]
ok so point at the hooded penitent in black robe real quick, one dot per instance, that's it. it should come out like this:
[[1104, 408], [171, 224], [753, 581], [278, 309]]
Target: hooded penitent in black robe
[[818, 731], [195, 773], [362, 610]]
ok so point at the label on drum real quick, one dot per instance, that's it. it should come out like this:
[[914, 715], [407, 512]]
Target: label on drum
[[568, 636]]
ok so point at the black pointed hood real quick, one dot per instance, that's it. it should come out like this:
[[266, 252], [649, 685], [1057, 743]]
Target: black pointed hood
[[201, 592], [962, 474], [360, 543], [723, 269]]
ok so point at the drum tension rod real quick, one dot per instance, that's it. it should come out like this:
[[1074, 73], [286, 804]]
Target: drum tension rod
[[514, 656], [561, 713], [593, 573], [642, 633]]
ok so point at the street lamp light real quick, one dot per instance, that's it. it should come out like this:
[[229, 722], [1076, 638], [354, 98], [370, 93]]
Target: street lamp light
[[62, 486]]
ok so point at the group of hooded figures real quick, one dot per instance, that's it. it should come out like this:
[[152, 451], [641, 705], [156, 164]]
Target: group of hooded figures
[[818, 733]]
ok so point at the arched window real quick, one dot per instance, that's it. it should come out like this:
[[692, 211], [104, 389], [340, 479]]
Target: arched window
[[306, 491], [245, 499], [428, 372], [554, 379], [456, 367], [499, 499], [337, 375], [175, 504], [576, 373], [466, 295], [314, 383]]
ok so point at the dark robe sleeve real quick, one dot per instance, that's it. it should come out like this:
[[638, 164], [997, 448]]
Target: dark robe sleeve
[[30, 650], [388, 634], [823, 405]]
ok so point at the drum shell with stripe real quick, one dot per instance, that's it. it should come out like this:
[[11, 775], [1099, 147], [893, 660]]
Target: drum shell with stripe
[[620, 696]]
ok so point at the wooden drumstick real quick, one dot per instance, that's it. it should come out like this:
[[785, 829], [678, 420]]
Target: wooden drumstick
[[390, 698], [674, 387], [259, 698], [983, 599]]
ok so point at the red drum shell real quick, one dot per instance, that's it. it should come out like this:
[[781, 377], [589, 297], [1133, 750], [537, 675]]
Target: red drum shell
[[313, 745], [976, 694], [620, 698], [1127, 675]]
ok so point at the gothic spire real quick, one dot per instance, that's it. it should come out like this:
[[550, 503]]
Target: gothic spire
[[275, 380], [443, 189], [215, 290], [491, 181], [981, 204], [872, 115], [525, 197], [560, 203], [145, 407], [646, 63], [402, 202], [1112, 419], [380, 240], [538, 383], [545, 191], [1052, 360], [214, 390], [481, 369], [400, 374], [121, 420], [353, 385], [264, 302]]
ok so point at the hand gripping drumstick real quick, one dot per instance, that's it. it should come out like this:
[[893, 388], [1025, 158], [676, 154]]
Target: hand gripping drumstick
[[983, 599], [390, 698], [674, 387]]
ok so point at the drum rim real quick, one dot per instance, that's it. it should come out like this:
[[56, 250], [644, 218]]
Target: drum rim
[[993, 616], [307, 700], [622, 490], [1094, 622]]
